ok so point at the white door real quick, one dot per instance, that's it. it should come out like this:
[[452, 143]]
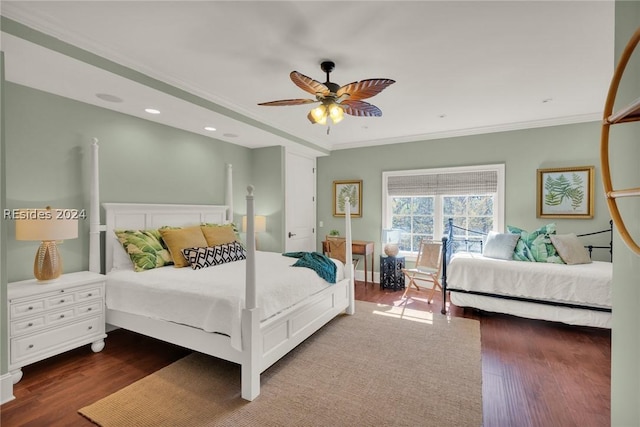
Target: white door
[[300, 196]]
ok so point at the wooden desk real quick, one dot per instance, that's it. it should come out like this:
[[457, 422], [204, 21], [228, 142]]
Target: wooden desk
[[359, 247]]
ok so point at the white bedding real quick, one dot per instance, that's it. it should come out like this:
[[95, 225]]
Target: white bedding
[[584, 284], [212, 298]]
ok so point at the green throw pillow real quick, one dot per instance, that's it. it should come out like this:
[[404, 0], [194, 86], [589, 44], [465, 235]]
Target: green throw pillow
[[145, 248], [535, 246]]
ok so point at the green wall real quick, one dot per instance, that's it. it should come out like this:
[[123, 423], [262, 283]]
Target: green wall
[[48, 140], [267, 168], [625, 166], [521, 151]]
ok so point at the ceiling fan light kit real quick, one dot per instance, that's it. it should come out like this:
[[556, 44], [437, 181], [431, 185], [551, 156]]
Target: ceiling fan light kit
[[324, 111], [335, 100]]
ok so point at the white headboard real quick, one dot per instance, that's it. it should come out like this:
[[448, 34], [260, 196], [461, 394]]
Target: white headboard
[[138, 216]]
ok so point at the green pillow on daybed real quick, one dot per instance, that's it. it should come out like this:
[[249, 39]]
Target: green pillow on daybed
[[535, 246]]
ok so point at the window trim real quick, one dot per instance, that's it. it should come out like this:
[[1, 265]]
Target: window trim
[[499, 207]]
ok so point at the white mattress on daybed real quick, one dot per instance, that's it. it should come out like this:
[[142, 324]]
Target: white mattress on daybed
[[211, 298], [584, 284]]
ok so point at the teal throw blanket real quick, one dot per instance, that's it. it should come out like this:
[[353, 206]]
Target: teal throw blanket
[[319, 263]]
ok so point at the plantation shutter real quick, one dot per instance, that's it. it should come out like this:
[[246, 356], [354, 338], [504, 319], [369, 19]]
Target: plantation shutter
[[456, 183]]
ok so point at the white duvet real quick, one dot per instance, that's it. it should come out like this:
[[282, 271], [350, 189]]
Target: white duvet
[[584, 284], [212, 298]]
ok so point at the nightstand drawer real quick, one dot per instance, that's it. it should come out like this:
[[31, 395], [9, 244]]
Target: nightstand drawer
[[26, 326], [47, 341], [88, 294], [60, 300], [26, 308], [60, 316], [88, 309]]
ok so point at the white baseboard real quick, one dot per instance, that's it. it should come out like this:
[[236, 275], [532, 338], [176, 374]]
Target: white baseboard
[[6, 388], [360, 276]]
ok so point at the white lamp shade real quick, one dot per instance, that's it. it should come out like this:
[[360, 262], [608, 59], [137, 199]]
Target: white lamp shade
[[46, 224], [390, 235], [259, 224]]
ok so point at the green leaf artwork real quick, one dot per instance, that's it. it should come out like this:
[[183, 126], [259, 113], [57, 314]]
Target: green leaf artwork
[[562, 188], [347, 190]]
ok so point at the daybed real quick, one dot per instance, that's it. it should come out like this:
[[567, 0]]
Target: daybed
[[577, 294], [242, 315]]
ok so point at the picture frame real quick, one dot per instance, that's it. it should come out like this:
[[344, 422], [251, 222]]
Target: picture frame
[[565, 192], [352, 189]]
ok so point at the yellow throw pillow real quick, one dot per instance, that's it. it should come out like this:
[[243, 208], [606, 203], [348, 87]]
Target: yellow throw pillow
[[182, 238], [217, 235]]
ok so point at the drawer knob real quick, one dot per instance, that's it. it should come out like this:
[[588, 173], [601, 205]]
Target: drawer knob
[[61, 301], [61, 316], [90, 295], [30, 308], [29, 324], [30, 346], [89, 309], [90, 327]]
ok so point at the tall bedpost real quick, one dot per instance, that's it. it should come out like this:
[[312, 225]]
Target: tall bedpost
[[445, 256], [251, 297], [94, 211], [228, 193], [349, 256], [251, 344]]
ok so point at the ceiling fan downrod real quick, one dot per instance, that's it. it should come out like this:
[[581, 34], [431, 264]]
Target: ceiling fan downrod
[[327, 67]]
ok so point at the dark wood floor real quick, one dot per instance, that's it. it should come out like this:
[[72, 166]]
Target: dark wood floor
[[534, 373]]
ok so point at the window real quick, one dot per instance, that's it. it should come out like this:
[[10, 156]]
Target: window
[[421, 202]]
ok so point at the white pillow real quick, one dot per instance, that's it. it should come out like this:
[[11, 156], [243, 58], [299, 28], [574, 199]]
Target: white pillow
[[570, 249], [121, 260], [500, 245]]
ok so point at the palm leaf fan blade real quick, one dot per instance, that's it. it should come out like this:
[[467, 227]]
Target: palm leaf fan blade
[[360, 109], [288, 102], [308, 84], [364, 88]]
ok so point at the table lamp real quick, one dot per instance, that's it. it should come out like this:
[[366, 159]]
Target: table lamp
[[47, 226], [390, 241], [259, 226]]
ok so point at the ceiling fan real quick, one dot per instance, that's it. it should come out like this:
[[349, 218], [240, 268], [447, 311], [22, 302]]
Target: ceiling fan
[[335, 100]]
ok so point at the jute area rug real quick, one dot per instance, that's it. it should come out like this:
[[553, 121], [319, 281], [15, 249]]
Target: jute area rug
[[383, 366]]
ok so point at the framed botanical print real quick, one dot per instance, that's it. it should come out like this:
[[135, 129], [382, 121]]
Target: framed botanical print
[[565, 192], [344, 189]]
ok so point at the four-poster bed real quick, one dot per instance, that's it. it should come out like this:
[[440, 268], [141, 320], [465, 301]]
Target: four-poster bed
[[260, 336]]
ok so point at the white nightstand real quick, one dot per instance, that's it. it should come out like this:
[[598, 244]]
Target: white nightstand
[[49, 318]]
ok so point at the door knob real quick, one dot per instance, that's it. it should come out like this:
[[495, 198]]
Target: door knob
[[291, 234]]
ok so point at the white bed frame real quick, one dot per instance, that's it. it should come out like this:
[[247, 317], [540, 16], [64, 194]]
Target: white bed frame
[[263, 343]]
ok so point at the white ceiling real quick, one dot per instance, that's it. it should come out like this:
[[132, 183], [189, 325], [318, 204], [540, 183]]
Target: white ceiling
[[460, 67]]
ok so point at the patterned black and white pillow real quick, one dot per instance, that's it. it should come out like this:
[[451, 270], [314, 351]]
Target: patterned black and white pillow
[[214, 255]]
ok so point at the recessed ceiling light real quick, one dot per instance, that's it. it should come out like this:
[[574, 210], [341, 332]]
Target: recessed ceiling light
[[108, 97], [152, 111], [209, 128], [230, 135], [442, 116], [547, 100]]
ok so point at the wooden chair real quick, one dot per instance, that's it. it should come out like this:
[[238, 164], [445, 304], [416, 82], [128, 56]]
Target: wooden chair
[[336, 248], [427, 269]]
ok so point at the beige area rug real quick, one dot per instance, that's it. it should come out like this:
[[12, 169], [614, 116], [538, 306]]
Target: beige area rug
[[380, 367]]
